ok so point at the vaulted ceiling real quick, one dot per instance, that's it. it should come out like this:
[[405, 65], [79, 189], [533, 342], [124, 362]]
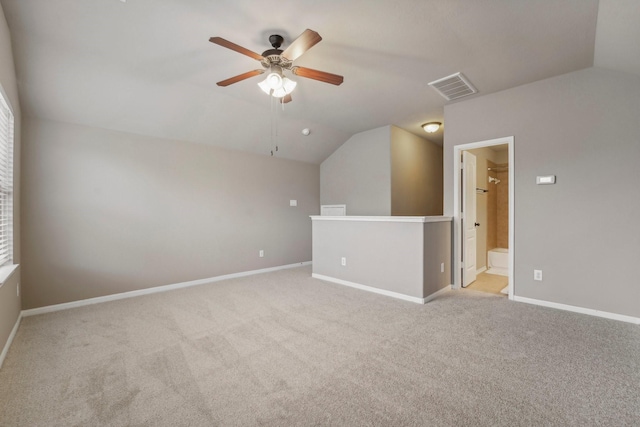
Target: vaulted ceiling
[[147, 67]]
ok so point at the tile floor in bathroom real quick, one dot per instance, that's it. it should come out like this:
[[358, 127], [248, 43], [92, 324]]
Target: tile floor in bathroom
[[491, 283]]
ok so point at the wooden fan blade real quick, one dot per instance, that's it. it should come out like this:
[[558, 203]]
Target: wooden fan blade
[[285, 99], [226, 43], [303, 43], [240, 77], [322, 76]]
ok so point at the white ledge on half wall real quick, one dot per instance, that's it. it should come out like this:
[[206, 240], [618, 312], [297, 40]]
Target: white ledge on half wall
[[382, 218]]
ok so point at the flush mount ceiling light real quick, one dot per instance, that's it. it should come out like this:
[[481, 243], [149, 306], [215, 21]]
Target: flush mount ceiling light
[[431, 127]]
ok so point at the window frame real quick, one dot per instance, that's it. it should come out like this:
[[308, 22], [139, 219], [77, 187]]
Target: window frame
[[7, 143]]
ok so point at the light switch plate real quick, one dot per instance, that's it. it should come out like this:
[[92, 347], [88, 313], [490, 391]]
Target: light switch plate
[[293, 203], [546, 180]]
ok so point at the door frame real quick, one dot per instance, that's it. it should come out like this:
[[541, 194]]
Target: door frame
[[457, 205]]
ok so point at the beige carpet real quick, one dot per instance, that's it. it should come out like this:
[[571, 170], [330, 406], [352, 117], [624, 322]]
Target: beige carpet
[[284, 349]]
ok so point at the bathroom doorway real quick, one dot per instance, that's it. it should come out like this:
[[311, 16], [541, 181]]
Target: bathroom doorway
[[484, 216]]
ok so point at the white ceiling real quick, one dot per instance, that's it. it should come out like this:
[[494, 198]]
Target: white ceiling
[[618, 35], [146, 66]]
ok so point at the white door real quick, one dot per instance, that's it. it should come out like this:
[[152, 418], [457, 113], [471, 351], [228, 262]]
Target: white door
[[468, 218]]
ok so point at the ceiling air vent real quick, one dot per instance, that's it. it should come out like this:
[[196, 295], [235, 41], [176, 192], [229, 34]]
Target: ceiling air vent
[[453, 87]]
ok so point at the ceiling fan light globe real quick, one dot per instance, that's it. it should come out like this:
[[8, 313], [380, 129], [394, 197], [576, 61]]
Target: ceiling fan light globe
[[274, 80], [265, 87], [288, 85], [279, 93]]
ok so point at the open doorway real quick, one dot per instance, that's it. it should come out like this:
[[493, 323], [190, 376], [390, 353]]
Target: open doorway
[[484, 216]]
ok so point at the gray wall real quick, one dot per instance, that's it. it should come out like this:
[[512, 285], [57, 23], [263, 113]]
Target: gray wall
[[437, 250], [582, 232], [402, 257], [416, 175], [9, 300], [384, 171], [358, 174], [107, 212], [384, 255]]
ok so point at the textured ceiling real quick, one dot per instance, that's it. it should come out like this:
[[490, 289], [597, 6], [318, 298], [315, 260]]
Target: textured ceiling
[[146, 66]]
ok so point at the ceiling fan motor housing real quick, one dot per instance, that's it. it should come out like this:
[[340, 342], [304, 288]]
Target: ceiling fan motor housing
[[276, 40], [274, 57]]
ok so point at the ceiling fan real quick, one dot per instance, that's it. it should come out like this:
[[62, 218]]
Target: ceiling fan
[[276, 60]]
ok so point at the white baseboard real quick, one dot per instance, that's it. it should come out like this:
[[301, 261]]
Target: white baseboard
[[582, 310], [154, 290], [380, 291], [12, 335], [436, 294], [481, 269]]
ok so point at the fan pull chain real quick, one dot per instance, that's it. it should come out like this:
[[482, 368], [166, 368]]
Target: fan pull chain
[[273, 110], [277, 133], [271, 114]]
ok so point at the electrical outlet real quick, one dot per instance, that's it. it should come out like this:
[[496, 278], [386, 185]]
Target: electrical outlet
[[261, 253], [537, 275], [442, 267], [343, 261], [293, 203]]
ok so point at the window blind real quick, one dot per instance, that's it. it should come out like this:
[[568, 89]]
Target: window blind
[[6, 183]]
